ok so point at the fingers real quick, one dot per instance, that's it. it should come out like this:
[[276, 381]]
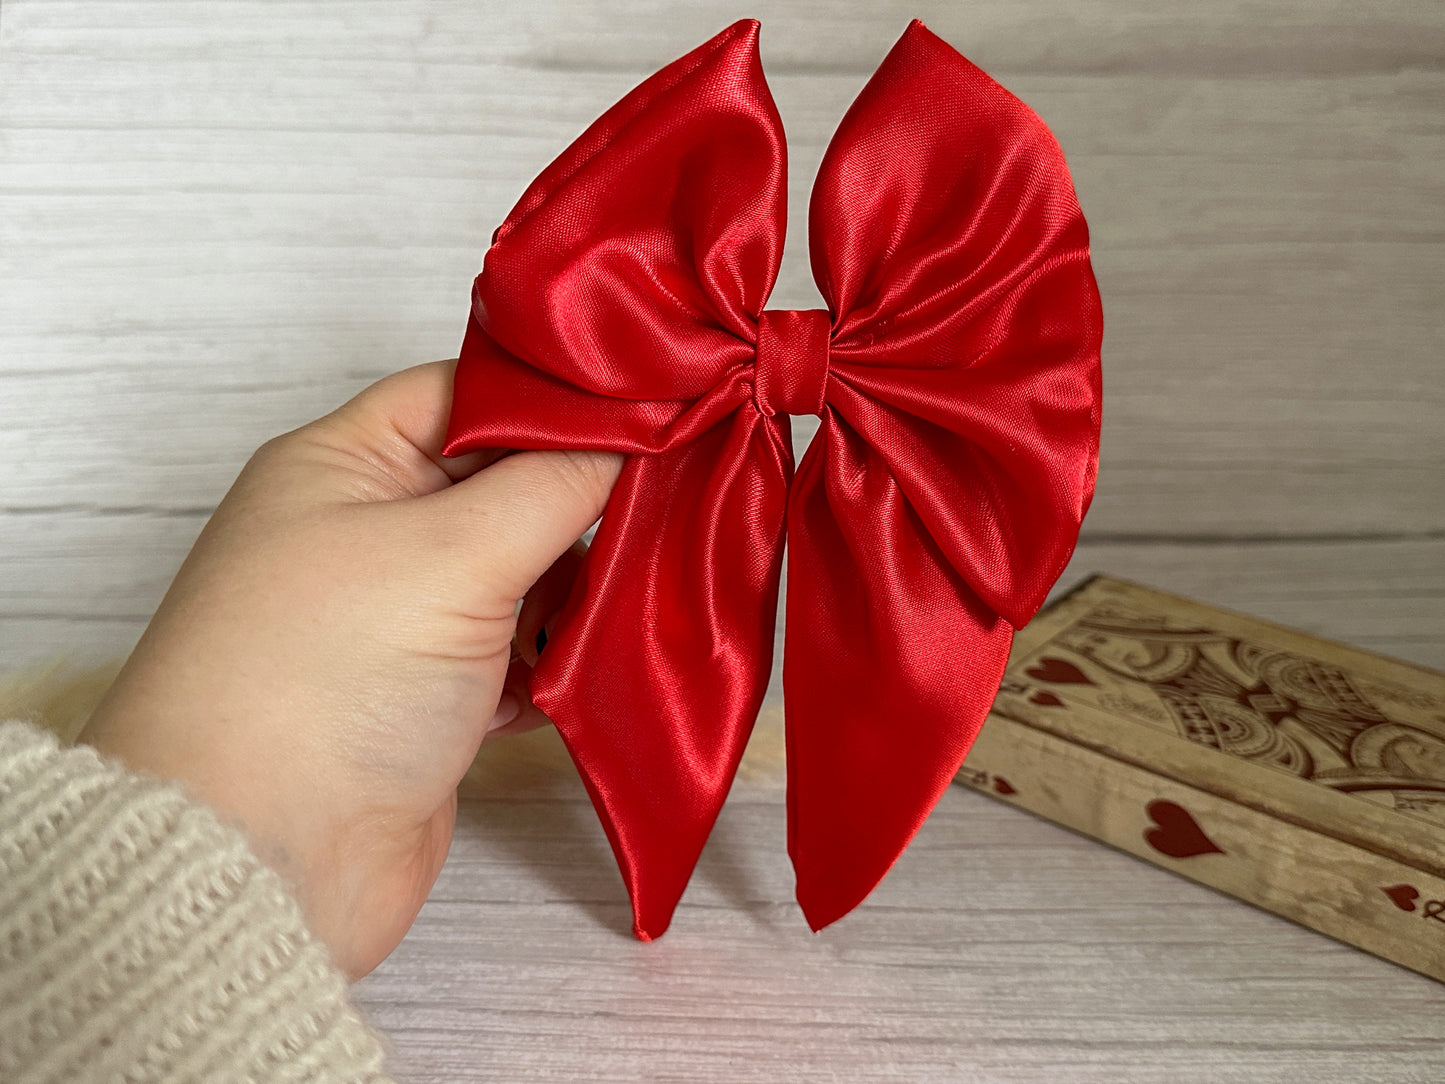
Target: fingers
[[513, 514], [410, 407], [530, 719], [545, 598], [528, 716], [525, 511]]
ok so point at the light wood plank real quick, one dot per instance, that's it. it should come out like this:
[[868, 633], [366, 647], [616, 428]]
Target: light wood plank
[[1283, 36], [94, 592]]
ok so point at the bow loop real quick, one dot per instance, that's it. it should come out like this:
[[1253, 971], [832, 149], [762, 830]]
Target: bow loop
[[636, 264], [945, 233]]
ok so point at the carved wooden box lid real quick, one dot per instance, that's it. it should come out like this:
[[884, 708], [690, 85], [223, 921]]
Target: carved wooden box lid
[[1323, 736]]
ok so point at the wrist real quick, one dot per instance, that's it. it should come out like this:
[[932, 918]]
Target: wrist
[[332, 863], [244, 796]]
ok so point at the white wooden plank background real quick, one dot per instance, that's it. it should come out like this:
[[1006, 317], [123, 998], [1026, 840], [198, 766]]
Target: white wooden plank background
[[219, 220]]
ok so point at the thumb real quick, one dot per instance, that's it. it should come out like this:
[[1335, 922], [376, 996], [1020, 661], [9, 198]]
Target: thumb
[[527, 509]]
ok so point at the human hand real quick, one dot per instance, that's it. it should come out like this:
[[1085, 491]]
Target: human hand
[[339, 642]]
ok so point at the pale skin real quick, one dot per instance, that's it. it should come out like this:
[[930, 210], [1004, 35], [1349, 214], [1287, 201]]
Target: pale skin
[[343, 637]]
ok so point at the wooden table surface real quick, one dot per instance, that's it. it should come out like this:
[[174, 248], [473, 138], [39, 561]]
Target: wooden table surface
[[219, 220]]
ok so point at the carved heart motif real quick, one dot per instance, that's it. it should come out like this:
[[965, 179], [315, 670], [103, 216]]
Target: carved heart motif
[[1058, 672], [1402, 896], [1003, 786], [1176, 832], [1047, 699]]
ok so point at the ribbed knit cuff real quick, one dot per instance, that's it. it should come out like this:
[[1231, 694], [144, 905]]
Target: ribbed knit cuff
[[141, 939]]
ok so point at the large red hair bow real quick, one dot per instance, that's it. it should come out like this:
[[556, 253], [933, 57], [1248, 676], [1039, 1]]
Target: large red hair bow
[[956, 373]]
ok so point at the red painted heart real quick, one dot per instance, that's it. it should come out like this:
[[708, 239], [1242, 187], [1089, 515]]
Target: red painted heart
[[1402, 896], [1058, 672], [1048, 700], [1003, 786], [1175, 832]]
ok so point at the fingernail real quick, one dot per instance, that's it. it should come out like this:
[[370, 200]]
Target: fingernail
[[541, 640], [508, 708]]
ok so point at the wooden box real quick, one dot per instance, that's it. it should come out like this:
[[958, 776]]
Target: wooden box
[[1295, 773]]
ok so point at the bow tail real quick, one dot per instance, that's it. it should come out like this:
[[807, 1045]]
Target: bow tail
[[890, 665], [661, 657]]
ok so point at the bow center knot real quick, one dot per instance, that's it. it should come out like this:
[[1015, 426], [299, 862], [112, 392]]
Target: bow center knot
[[792, 367]]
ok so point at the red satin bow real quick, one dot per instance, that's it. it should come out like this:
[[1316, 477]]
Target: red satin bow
[[957, 378]]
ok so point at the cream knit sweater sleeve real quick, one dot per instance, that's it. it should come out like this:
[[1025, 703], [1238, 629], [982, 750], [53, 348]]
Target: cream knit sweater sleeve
[[141, 940]]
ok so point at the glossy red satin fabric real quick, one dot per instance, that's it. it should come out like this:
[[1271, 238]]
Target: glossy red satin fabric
[[956, 373]]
